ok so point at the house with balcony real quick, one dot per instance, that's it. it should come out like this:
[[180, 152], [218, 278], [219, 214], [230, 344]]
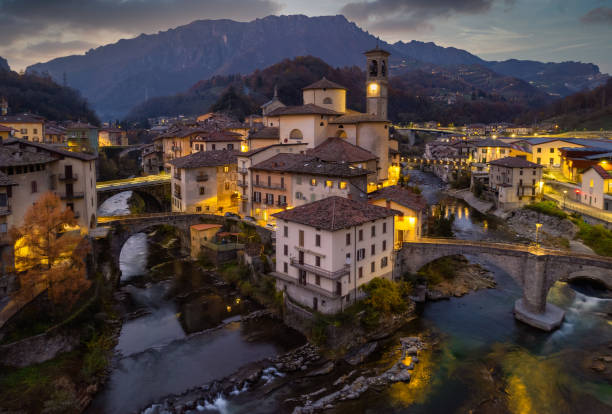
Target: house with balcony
[[110, 136], [82, 137], [326, 250], [25, 126], [218, 140], [515, 181], [205, 182]]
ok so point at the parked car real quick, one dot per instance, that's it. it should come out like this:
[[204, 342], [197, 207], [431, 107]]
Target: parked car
[[232, 215], [249, 219], [270, 227]]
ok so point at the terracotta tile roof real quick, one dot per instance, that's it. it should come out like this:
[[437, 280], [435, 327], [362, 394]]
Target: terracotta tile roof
[[13, 156], [205, 226], [606, 175], [324, 83], [308, 164], [22, 119], [339, 149], [514, 162], [265, 133], [80, 125], [219, 136], [53, 149], [357, 118], [308, 109], [490, 142], [205, 159], [401, 196], [5, 128], [335, 213]]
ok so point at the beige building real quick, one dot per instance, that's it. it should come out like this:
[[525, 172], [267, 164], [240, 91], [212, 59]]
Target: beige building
[[205, 182], [326, 250], [515, 180], [596, 188], [112, 137], [201, 233], [152, 158], [546, 151], [218, 140], [25, 126], [38, 168], [412, 207], [263, 137]]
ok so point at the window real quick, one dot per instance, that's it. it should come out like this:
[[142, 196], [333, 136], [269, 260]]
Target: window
[[539, 150], [328, 101], [34, 186], [285, 231], [230, 147], [552, 150], [214, 147], [318, 279], [502, 151], [282, 182], [384, 228], [521, 171], [227, 185], [329, 183], [318, 240], [313, 182], [285, 250], [299, 195], [348, 239], [226, 168], [484, 150], [285, 267], [384, 246], [257, 179], [3, 200], [373, 249], [202, 190], [296, 134], [3, 228], [361, 235], [318, 261], [269, 181], [342, 185], [373, 231], [298, 179], [372, 267], [383, 262], [301, 241], [360, 272], [198, 209], [269, 198], [257, 196], [360, 254]]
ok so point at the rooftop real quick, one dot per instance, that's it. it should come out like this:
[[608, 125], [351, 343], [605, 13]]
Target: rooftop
[[308, 164], [219, 136], [339, 149], [265, 133], [12, 156], [308, 109], [22, 119], [515, 162], [50, 148], [401, 196], [490, 142], [335, 213], [357, 118], [205, 159], [605, 174], [205, 226], [324, 83]]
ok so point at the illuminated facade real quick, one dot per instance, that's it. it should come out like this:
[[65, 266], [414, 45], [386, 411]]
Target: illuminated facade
[[515, 181]]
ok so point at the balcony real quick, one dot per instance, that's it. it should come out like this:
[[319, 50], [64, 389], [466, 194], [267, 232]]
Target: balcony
[[321, 272], [202, 177], [242, 183], [73, 196], [177, 196], [69, 178], [175, 149], [281, 204], [243, 170], [272, 186], [309, 286], [5, 210]]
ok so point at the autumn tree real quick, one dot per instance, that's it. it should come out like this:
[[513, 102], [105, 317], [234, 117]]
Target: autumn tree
[[50, 253]]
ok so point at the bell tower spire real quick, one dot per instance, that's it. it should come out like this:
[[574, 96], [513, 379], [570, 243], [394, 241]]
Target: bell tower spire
[[377, 81]]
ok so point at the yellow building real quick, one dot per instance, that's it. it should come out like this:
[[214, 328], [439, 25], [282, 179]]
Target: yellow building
[[412, 206], [112, 137], [5, 132], [546, 151], [201, 233], [25, 126]]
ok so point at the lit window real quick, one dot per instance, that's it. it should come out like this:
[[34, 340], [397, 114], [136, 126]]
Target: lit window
[[226, 169], [342, 185], [313, 182], [329, 183]]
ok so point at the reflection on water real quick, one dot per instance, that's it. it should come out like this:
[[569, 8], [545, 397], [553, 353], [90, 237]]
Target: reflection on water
[[133, 257]]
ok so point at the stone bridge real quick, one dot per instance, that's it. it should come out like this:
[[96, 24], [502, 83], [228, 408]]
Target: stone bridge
[[154, 189], [534, 269]]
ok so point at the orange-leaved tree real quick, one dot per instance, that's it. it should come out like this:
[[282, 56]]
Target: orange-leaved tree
[[50, 253]]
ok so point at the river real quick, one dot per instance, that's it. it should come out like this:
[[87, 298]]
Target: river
[[483, 360]]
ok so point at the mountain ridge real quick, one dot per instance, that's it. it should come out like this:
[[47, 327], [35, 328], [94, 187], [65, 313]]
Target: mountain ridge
[[116, 77]]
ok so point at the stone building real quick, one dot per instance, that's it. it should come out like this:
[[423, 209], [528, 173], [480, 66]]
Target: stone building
[[327, 249]]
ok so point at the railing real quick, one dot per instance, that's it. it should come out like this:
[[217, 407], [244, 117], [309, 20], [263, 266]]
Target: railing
[[73, 196], [321, 272], [64, 177], [242, 183], [569, 204], [177, 195], [222, 247], [203, 177], [5, 211], [130, 217], [282, 204], [243, 170], [270, 187]]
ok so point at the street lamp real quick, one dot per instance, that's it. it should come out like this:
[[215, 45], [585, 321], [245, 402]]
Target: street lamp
[[564, 195], [538, 225]]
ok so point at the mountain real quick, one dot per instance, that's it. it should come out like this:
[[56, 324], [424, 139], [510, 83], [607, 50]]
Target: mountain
[[41, 95], [590, 110], [4, 64], [118, 76], [415, 95]]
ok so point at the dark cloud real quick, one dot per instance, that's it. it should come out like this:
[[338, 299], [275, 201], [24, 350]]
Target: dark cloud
[[52, 47], [600, 15], [30, 17], [393, 15]]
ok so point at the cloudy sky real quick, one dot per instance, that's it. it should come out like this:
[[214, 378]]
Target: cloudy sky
[[548, 30]]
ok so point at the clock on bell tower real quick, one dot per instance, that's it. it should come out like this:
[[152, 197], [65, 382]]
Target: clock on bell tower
[[377, 77]]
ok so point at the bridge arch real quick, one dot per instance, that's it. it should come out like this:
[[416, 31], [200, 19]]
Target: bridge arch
[[155, 203]]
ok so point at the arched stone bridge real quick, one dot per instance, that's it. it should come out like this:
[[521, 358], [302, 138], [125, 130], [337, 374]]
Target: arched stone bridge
[[534, 269], [154, 189]]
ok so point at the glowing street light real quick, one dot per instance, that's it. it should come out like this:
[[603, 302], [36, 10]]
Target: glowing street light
[[538, 225], [564, 195]]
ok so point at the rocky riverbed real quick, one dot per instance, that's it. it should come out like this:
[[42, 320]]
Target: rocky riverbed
[[555, 231]]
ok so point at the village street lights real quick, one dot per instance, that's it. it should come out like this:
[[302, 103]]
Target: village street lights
[[538, 225], [564, 195]]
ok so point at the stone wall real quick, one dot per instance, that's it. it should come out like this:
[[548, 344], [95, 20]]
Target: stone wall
[[37, 349]]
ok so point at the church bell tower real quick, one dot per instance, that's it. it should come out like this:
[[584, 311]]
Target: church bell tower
[[377, 80]]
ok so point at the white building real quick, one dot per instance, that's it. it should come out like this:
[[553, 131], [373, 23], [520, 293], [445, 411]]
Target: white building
[[596, 188], [327, 249]]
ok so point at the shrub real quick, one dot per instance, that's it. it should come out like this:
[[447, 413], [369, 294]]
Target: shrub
[[384, 296], [547, 207], [438, 270], [597, 237]]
